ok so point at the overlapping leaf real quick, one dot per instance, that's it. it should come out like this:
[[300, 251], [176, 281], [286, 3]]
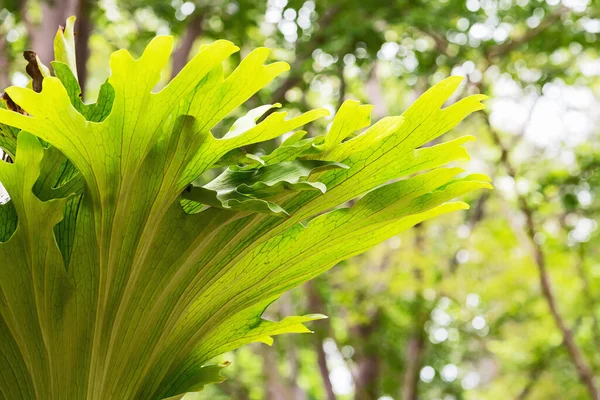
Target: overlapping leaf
[[134, 293]]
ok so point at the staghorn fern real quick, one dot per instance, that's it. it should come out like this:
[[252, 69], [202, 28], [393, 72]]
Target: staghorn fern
[[120, 278]]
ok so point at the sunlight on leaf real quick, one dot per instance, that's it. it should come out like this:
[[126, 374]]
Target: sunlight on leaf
[[111, 289]]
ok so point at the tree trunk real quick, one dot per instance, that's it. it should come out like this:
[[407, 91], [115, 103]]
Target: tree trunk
[[182, 54], [416, 342], [367, 377], [83, 30], [54, 14], [315, 304], [368, 364], [414, 355], [343, 85], [287, 308], [274, 389], [375, 94], [4, 65]]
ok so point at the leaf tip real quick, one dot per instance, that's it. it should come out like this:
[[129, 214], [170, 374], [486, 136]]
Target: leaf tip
[[454, 80], [315, 317], [468, 138], [279, 67], [322, 112], [227, 44]]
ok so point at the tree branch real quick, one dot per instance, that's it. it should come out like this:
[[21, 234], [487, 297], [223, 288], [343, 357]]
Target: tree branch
[[587, 293], [577, 357], [441, 44], [540, 366], [304, 53], [473, 217], [505, 48]]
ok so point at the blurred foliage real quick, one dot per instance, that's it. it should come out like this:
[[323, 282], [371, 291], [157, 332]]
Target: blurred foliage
[[464, 291]]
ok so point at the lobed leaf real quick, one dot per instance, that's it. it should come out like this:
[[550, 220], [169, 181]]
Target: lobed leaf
[[123, 275]]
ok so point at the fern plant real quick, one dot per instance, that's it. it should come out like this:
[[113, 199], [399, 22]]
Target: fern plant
[[122, 275]]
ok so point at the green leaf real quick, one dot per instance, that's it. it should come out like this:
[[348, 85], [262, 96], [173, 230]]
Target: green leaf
[[8, 139], [351, 117], [247, 189], [198, 378], [96, 112], [8, 221], [290, 150], [32, 270], [64, 45], [112, 289]]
